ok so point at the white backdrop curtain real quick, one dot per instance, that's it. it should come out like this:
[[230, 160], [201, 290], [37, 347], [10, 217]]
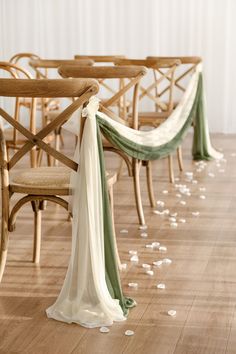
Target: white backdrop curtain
[[136, 28]]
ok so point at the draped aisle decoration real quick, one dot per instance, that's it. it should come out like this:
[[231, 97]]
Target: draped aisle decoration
[[91, 294]]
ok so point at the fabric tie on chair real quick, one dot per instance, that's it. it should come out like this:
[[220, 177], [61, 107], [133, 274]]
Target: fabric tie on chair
[[91, 294]]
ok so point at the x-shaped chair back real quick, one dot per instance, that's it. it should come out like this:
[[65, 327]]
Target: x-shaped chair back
[[132, 73], [183, 71], [80, 90], [164, 72], [103, 60], [41, 66]]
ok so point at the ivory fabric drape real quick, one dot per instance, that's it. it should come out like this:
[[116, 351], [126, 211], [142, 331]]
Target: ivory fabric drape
[[91, 294]]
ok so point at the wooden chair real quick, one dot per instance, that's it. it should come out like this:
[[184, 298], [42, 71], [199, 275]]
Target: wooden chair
[[100, 58], [163, 71], [133, 75], [40, 184]]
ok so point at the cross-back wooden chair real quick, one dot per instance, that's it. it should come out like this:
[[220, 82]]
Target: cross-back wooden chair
[[163, 71], [133, 75], [39, 184]]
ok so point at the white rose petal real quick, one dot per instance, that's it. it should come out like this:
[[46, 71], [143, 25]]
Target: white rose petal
[[129, 333], [172, 313], [161, 286], [134, 258], [182, 220], [162, 248], [167, 261], [143, 227], [182, 202], [123, 266], [146, 266], [149, 246], [104, 330], [155, 244], [157, 263], [133, 252], [124, 231], [133, 285], [165, 191], [149, 272], [195, 213], [210, 174], [202, 197], [174, 225], [144, 234]]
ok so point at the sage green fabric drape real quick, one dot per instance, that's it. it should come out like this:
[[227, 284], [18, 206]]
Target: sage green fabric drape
[[141, 152], [112, 272]]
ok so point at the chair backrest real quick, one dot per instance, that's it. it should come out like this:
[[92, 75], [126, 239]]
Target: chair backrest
[[133, 74], [183, 71], [100, 58], [80, 90], [164, 73], [14, 71], [45, 64]]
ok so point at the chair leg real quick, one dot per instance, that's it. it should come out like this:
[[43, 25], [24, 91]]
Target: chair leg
[[171, 170], [37, 230], [120, 169], [151, 196], [4, 232], [180, 158], [137, 191]]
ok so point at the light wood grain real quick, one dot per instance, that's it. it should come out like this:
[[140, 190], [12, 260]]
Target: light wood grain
[[200, 283]]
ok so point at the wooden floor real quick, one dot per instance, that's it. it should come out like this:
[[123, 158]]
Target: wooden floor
[[200, 281]]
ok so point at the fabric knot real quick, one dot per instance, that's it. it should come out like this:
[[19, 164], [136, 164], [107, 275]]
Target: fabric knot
[[92, 107]]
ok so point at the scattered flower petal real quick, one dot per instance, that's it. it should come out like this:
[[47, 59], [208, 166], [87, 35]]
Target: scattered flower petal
[[146, 266], [157, 263], [172, 313], [124, 231], [182, 220], [182, 202], [174, 225], [161, 286], [162, 248], [134, 258], [144, 234], [104, 330], [133, 252], [123, 266], [155, 244], [149, 272], [133, 285], [167, 261], [210, 174], [129, 333], [149, 246], [165, 191], [172, 219], [202, 197], [143, 227], [195, 213]]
